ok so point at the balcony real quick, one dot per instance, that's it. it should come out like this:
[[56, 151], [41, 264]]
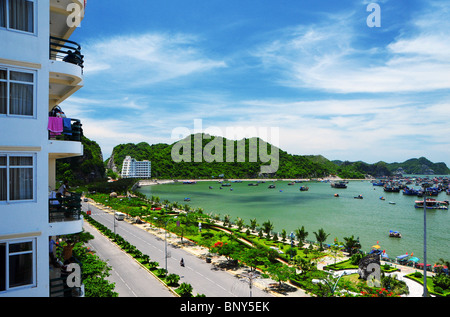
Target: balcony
[[64, 214], [58, 281], [64, 136], [64, 129], [61, 12], [66, 69], [67, 208]]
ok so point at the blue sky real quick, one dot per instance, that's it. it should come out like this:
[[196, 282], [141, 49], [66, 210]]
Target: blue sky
[[313, 69]]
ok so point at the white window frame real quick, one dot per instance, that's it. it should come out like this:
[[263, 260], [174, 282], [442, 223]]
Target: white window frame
[[8, 167], [6, 27], [8, 255], [8, 82]]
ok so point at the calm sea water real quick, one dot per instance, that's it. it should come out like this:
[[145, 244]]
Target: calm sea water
[[288, 208]]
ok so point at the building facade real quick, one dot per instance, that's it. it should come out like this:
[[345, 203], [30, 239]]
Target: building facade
[[39, 68], [136, 169]]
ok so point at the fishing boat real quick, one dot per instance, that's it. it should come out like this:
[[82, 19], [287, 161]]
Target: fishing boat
[[391, 189], [431, 204], [380, 183], [394, 234], [340, 184], [304, 188], [410, 191]]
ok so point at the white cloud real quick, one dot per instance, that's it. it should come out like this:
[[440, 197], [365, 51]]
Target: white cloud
[[328, 57], [147, 58]]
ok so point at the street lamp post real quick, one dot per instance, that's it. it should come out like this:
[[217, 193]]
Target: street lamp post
[[425, 186]]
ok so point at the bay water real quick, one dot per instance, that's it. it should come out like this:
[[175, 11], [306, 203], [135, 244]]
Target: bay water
[[368, 219]]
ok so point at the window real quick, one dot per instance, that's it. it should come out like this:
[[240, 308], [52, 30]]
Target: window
[[17, 263], [17, 15], [16, 177], [17, 91]]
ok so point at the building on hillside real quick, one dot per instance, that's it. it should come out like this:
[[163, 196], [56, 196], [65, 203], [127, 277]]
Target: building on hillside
[[39, 69], [136, 169]]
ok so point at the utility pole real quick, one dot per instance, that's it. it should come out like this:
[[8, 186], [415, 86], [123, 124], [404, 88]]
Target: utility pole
[[425, 290]]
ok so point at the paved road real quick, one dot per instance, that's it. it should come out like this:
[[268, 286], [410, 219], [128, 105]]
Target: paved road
[[204, 277], [130, 278]]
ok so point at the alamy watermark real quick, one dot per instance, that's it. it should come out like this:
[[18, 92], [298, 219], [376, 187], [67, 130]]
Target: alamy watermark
[[374, 18], [76, 13], [258, 138]]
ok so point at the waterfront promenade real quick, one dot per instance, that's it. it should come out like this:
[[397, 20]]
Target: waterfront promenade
[[262, 284]]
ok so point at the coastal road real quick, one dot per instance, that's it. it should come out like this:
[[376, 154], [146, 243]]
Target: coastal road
[[130, 279], [204, 277]]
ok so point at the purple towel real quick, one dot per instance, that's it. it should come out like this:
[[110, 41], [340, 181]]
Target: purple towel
[[55, 125]]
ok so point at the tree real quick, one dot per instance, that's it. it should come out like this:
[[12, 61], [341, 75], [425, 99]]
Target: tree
[[239, 223], [253, 224], [321, 236], [252, 257], [280, 272], [351, 245], [301, 235], [267, 228]]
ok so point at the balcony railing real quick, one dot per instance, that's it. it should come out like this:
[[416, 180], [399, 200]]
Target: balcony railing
[[58, 282], [67, 208], [66, 51], [65, 129]]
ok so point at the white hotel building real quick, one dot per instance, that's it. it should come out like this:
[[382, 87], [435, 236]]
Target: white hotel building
[[35, 76], [136, 169]]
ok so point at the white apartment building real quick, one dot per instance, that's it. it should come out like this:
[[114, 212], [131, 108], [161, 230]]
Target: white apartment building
[[136, 169], [36, 74]]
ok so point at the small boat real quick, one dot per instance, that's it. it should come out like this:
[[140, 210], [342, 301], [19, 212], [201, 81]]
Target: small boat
[[390, 189], [431, 204], [394, 234], [410, 192], [271, 186], [187, 199], [382, 198], [190, 182], [226, 185], [358, 197], [210, 187], [304, 188], [339, 185], [253, 184], [336, 195], [392, 202]]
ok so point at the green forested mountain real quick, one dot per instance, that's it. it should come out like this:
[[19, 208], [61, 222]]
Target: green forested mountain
[[82, 169], [420, 166], [290, 166], [90, 166]]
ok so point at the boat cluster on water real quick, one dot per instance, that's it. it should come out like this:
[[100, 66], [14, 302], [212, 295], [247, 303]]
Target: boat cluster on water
[[426, 187]]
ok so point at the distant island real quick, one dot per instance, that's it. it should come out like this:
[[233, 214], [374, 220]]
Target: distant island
[[91, 166]]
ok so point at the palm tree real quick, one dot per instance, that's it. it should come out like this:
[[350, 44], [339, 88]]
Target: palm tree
[[301, 235], [321, 237], [253, 224], [268, 227], [239, 223]]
